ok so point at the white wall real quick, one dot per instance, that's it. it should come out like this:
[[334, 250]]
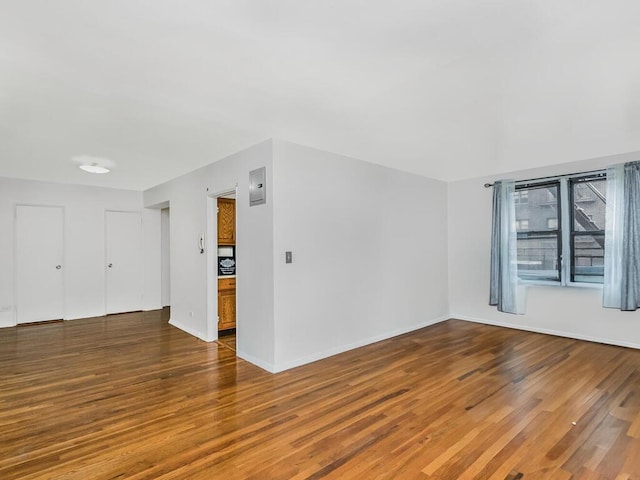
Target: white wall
[[165, 226], [188, 197], [84, 243], [369, 250], [567, 311]]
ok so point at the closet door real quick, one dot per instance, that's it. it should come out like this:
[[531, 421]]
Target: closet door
[[39, 263], [124, 263]]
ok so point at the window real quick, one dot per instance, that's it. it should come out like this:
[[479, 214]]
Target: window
[[560, 229], [539, 246], [588, 202]]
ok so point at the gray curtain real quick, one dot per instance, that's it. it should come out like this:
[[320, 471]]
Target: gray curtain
[[630, 282], [503, 285], [622, 238], [495, 281]]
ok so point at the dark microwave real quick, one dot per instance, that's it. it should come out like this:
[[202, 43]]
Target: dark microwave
[[226, 260]]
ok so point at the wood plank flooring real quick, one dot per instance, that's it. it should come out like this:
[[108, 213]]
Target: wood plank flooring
[[131, 397], [228, 339]]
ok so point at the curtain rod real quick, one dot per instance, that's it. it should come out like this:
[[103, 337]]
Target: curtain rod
[[599, 173]]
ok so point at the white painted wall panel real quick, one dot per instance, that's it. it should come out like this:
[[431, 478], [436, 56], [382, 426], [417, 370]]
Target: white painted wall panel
[[369, 248]]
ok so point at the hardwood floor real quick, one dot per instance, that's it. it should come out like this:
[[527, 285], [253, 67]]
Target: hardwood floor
[[131, 397], [228, 339]]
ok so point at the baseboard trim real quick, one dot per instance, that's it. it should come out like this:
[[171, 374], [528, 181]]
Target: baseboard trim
[[350, 346], [7, 323], [189, 330], [557, 333], [256, 361]]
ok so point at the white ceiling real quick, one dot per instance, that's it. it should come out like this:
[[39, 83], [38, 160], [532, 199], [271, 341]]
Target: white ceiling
[[449, 89]]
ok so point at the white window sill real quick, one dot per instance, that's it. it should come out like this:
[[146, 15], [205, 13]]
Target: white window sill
[[550, 283]]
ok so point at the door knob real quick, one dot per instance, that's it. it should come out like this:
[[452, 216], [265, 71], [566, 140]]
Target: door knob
[[110, 265], [58, 267]]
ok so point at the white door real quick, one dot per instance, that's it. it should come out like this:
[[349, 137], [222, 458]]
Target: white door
[[124, 264], [39, 263]]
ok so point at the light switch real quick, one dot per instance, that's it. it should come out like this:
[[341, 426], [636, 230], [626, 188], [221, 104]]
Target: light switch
[[287, 257]]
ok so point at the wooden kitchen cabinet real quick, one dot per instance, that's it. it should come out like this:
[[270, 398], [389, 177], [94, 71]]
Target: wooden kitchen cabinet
[[226, 221], [226, 303]]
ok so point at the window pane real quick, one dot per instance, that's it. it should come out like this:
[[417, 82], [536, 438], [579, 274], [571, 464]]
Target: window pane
[[522, 225], [588, 258], [537, 227], [540, 206], [538, 257], [521, 196], [588, 209], [589, 205]]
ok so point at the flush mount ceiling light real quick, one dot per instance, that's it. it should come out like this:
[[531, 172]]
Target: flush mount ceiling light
[[94, 168], [93, 164]]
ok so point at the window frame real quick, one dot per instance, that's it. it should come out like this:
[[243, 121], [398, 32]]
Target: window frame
[[565, 227], [573, 233], [532, 234]]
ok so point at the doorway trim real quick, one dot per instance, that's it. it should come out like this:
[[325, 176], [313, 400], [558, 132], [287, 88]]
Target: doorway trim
[[212, 260]]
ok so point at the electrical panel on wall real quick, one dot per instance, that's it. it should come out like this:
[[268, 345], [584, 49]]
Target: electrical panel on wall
[[257, 186]]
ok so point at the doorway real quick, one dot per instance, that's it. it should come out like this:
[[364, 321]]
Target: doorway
[[165, 259], [124, 263], [39, 260], [222, 230]]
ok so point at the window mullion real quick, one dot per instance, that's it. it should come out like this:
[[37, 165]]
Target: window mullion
[[565, 232]]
